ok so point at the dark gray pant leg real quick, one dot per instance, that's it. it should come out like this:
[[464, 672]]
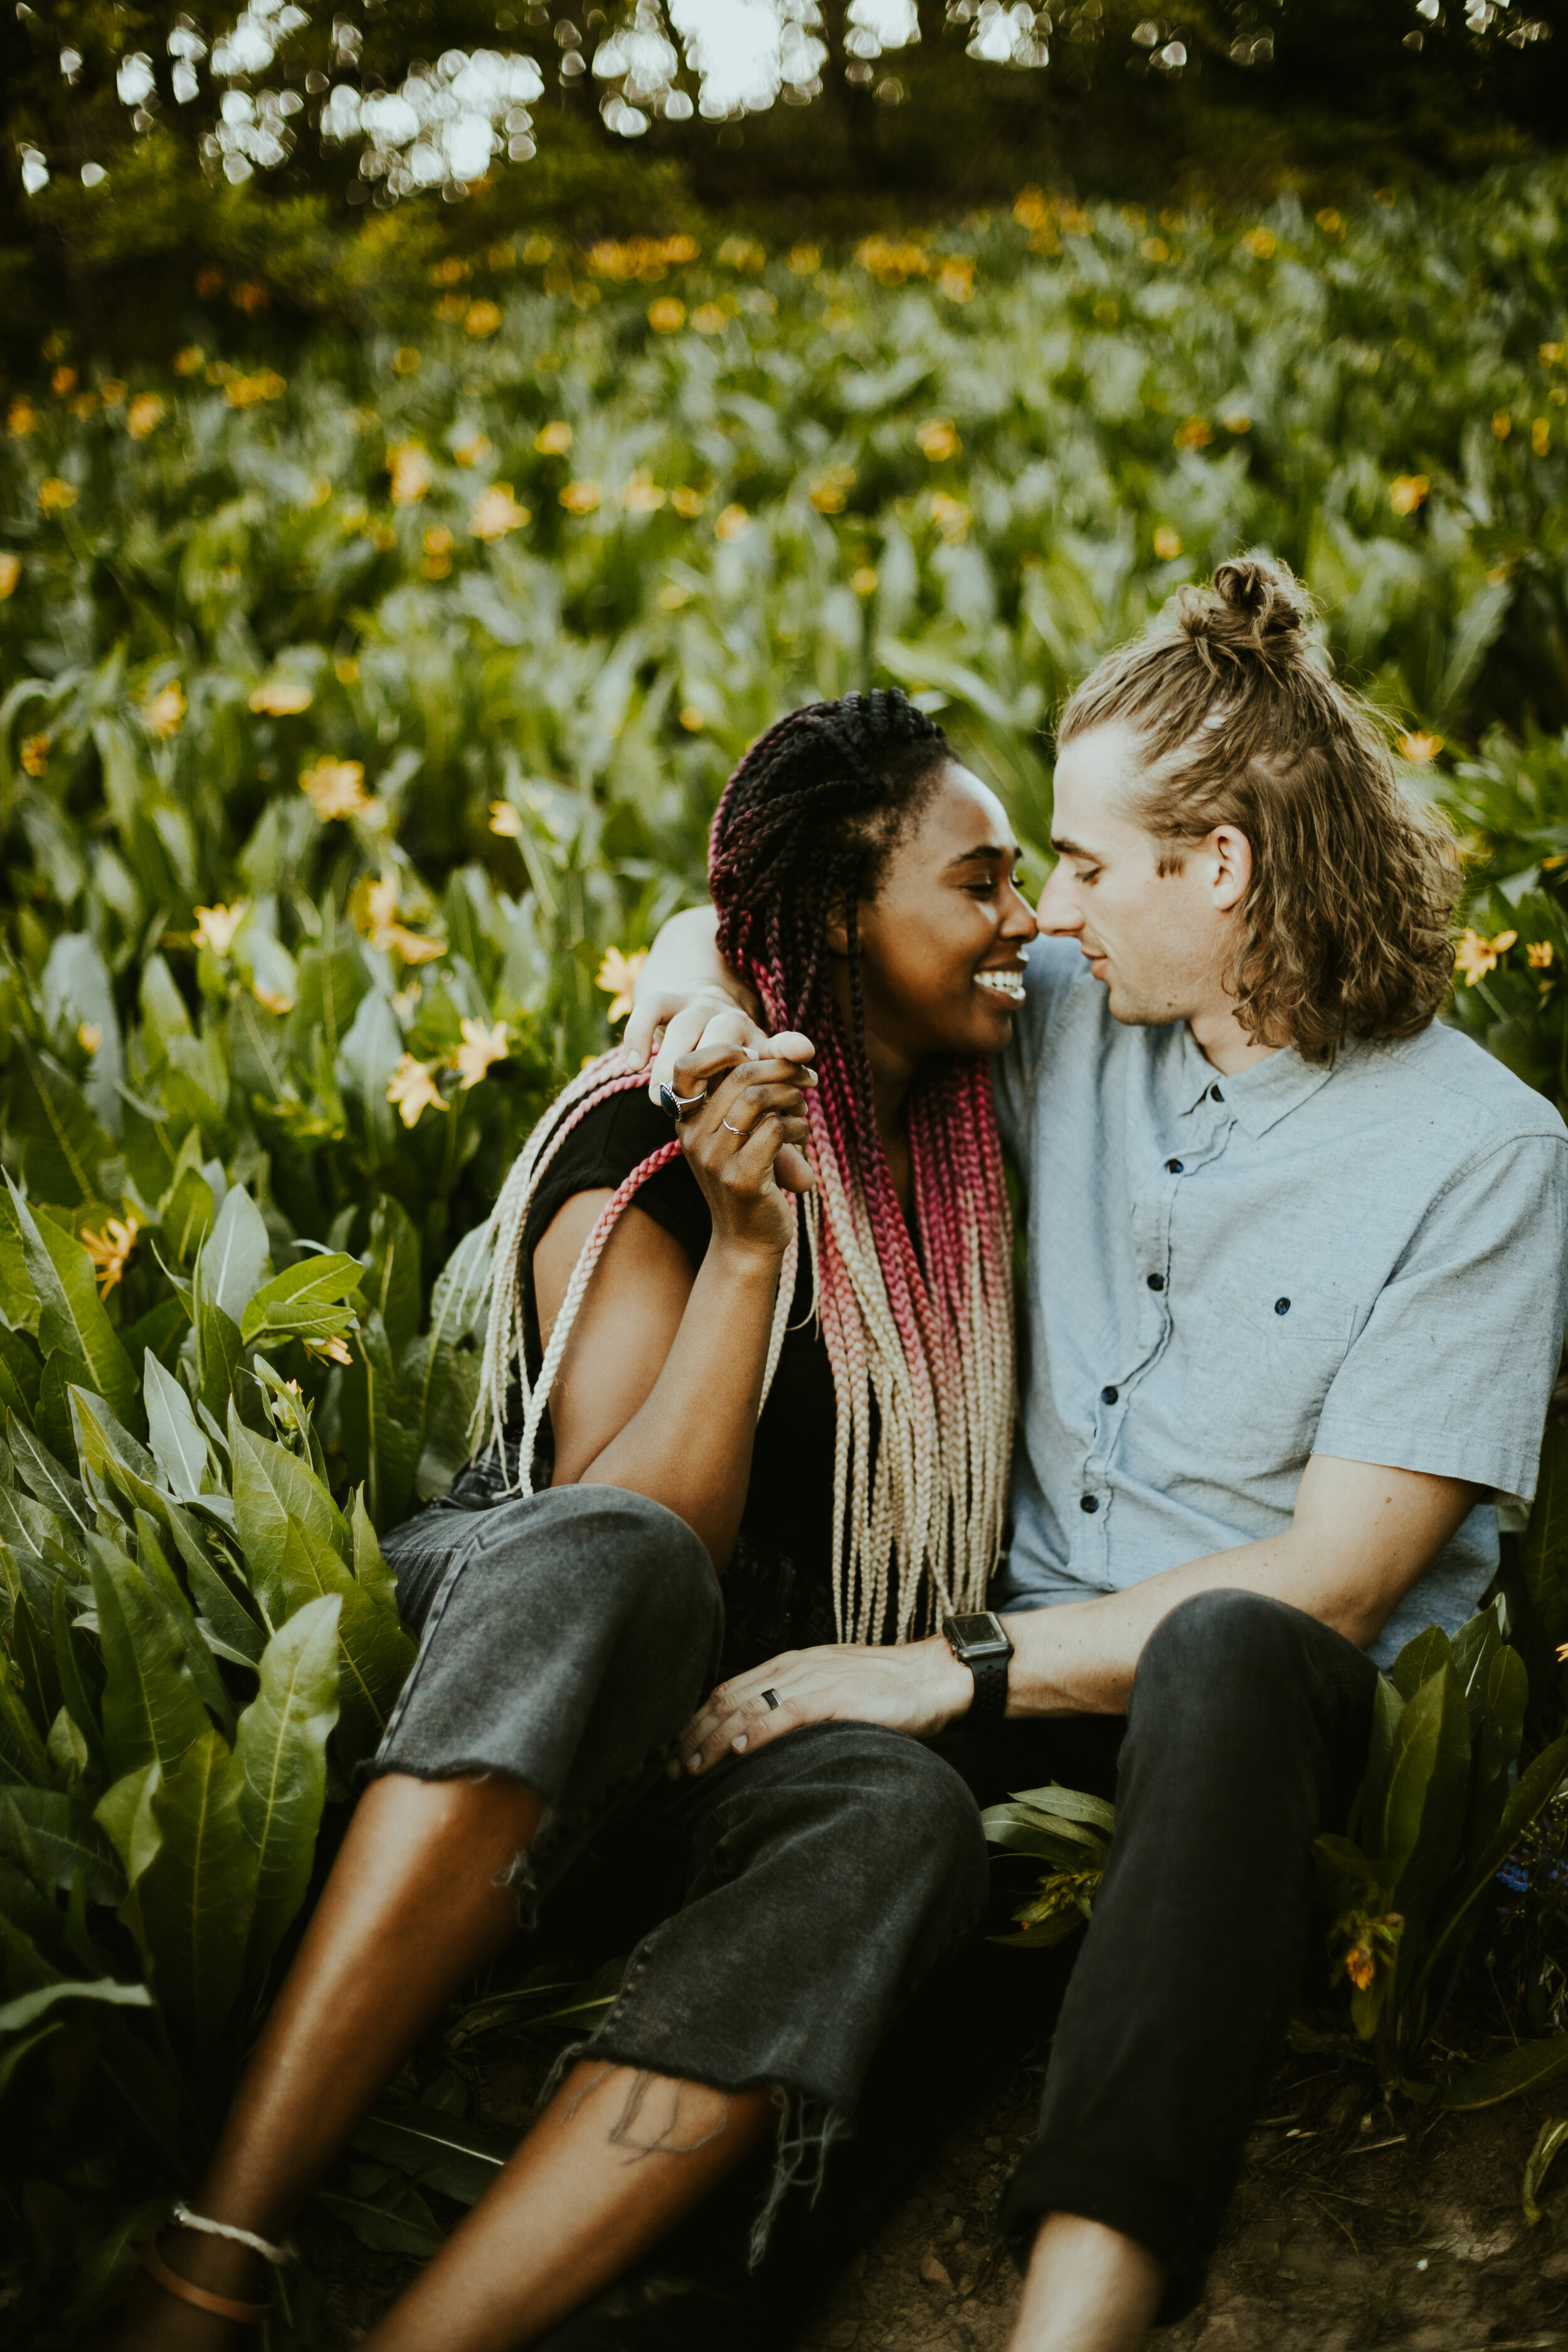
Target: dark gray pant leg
[[566, 1638], [830, 1870], [1247, 1736]]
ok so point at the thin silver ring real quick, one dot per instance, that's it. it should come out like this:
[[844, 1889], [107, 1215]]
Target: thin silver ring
[[735, 1130], [772, 1697]]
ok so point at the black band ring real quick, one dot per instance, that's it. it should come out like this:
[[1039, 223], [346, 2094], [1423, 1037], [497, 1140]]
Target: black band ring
[[772, 1697]]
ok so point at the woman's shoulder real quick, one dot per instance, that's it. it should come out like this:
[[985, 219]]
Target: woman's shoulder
[[600, 1153]]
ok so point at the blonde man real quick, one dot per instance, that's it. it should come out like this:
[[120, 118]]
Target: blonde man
[[1298, 1272]]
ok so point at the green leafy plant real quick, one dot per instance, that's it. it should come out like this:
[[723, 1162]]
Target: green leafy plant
[[1070, 1831]]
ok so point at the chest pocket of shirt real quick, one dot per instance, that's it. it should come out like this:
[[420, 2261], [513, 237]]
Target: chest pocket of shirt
[[1258, 1368]]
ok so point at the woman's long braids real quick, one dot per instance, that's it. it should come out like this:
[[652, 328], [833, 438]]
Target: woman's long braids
[[920, 1344]]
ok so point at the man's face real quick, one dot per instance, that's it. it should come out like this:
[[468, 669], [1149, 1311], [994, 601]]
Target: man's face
[[1160, 942]]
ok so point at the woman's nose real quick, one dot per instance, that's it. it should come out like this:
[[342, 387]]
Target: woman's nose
[[1019, 922]]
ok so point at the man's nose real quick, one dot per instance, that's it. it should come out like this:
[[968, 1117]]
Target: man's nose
[[1058, 911]]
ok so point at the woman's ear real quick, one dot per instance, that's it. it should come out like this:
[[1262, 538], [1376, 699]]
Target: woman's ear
[[837, 930]]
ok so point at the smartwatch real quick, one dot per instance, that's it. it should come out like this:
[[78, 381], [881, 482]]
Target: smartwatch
[[980, 1644]]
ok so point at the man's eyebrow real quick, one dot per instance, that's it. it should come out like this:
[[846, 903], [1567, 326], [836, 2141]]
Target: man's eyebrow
[[1066, 849]]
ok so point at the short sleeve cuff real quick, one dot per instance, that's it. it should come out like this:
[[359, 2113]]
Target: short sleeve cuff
[[1507, 1471]]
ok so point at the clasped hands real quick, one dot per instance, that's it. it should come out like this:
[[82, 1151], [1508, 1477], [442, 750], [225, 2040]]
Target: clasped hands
[[917, 1687]]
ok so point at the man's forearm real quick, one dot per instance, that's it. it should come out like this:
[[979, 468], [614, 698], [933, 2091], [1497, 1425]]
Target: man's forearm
[[684, 958]]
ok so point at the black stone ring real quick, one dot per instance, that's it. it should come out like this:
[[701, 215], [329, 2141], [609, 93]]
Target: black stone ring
[[772, 1697], [678, 1105]]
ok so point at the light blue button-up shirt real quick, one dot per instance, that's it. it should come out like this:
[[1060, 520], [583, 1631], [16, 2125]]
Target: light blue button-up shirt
[[1227, 1274]]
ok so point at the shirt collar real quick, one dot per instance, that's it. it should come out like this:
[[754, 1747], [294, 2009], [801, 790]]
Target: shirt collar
[[1262, 1095]]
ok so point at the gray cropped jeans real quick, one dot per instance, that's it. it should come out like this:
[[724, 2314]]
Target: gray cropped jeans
[[565, 1640]]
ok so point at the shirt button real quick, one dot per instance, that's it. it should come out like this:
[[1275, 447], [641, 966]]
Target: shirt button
[[1108, 1396], [1282, 1306], [1089, 1503], [1156, 1282], [1214, 1095], [1173, 1167]]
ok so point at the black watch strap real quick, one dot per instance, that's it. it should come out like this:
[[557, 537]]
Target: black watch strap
[[990, 1705]]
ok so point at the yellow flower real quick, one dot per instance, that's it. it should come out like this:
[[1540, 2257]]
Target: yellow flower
[[1331, 223], [617, 974], [805, 259], [413, 1089], [165, 714], [688, 502], [473, 451], [1406, 491], [1260, 243], [831, 495], [1360, 1966], [642, 497], [335, 788], [505, 820], [1540, 437], [20, 417], [215, 926], [144, 415], [496, 512], [346, 670], [667, 316], [952, 517], [245, 391], [938, 438], [580, 497], [481, 319], [36, 753], [1167, 543], [1552, 354], [410, 945], [1419, 748], [1475, 956], [412, 473], [280, 698], [1195, 434], [554, 440], [864, 581], [1502, 424], [480, 1048], [405, 360], [88, 1036], [10, 573], [329, 1351], [732, 524], [55, 496], [1538, 955], [1237, 421], [110, 1249], [273, 999], [955, 279], [187, 362], [711, 319]]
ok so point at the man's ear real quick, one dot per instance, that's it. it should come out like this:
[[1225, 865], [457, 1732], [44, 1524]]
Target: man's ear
[[1231, 854]]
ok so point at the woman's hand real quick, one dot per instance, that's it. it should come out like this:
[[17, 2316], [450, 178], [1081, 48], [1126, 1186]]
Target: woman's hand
[[744, 1142], [918, 1688]]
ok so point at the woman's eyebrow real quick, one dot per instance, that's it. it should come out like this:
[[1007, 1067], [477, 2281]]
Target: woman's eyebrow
[[986, 850]]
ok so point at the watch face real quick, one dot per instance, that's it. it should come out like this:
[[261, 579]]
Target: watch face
[[981, 1632]]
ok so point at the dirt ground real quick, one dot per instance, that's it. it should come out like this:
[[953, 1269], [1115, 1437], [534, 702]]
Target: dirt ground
[[1351, 2228]]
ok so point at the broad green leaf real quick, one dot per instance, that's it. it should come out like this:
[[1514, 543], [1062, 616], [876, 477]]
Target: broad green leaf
[[398, 2222], [80, 1670], [16, 2016], [76, 989], [331, 984], [112, 1461], [1528, 2068], [369, 1055], [1497, 1719], [12, 2055], [275, 1484], [1529, 1797], [1419, 1660], [72, 1316], [1544, 1549], [124, 1812], [1366, 1814], [154, 1563], [186, 1217], [392, 1284], [441, 1387], [371, 1571], [45, 1477], [163, 1013], [197, 1894], [18, 1299], [63, 1146], [21, 1368], [237, 1256], [1423, 1816], [179, 1446], [64, 1838], [21, 1748], [151, 1708], [282, 1753], [1548, 2141], [376, 1439], [306, 1301], [447, 2153], [218, 1345]]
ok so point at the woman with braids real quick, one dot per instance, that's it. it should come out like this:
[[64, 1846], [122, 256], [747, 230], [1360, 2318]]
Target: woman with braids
[[748, 1388]]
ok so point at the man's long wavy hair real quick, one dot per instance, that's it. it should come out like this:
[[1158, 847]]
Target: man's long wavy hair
[[1347, 925]]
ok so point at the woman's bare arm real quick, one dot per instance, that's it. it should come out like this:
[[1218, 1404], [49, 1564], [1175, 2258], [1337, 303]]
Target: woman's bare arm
[[660, 1383]]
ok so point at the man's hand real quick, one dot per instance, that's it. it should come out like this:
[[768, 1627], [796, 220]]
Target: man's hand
[[918, 1688], [685, 997]]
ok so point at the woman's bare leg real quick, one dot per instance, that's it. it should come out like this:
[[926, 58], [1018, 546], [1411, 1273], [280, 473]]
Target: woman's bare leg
[[417, 1901], [613, 2162]]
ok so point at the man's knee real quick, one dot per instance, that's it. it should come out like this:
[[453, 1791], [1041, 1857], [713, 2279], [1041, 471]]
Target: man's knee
[[1214, 1637]]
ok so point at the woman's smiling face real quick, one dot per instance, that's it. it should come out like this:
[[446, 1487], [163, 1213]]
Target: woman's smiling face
[[945, 941]]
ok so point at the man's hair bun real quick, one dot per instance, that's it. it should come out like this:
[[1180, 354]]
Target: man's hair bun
[[1254, 604]]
